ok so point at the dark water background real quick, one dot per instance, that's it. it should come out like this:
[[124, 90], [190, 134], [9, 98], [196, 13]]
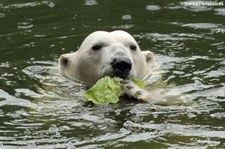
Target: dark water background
[[40, 109]]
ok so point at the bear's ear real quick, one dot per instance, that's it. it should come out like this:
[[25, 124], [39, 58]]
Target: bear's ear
[[149, 56], [64, 60]]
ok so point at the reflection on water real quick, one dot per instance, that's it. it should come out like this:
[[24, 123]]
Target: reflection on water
[[40, 109]]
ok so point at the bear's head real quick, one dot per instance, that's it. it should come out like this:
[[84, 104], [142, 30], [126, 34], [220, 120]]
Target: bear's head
[[106, 54]]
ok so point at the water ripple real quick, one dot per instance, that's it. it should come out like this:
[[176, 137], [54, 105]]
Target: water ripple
[[24, 25], [41, 109], [170, 37], [2, 15], [28, 4], [220, 11], [201, 25], [90, 2], [153, 7], [11, 100]]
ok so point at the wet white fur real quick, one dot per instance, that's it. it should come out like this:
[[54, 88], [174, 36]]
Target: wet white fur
[[88, 66]]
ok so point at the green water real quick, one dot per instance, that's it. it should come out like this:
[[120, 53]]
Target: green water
[[40, 109]]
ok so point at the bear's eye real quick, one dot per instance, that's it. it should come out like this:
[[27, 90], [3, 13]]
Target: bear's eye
[[133, 47], [96, 47]]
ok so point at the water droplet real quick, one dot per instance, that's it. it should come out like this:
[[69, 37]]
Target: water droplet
[[52, 45], [51, 5], [32, 144], [35, 69], [128, 125], [32, 58], [90, 2], [2, 15], [27, 132], [191, 115], [53, 129], [152, 7], [126, 17]]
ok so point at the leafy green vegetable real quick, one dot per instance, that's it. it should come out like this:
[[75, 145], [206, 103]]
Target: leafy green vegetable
[[139, 83], [106, 90]]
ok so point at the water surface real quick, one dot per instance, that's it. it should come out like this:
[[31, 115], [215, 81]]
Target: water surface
[[40, 109]]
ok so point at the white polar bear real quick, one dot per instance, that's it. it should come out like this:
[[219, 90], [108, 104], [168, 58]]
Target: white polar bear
[[106, 53]]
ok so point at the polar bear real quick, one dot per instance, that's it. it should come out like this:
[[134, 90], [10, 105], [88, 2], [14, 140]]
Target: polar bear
[[104, 53]]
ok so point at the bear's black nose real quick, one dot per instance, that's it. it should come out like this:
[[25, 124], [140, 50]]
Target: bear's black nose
[[122, 65]]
